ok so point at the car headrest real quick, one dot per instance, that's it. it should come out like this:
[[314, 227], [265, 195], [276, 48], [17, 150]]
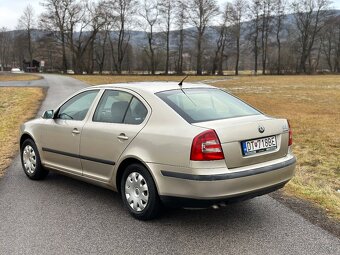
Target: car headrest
[[118, 110], [140, 110]]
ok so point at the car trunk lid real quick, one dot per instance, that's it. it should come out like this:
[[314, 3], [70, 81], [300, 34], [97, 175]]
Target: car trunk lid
[[232, 132]]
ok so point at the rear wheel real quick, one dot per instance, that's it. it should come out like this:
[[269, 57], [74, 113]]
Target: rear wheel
[[139, 192], [30, 160]]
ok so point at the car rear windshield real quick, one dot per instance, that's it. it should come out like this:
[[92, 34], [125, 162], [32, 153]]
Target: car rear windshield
[[199, 105]]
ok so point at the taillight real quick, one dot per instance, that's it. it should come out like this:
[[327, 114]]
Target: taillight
[[206, 146], [290, 141]]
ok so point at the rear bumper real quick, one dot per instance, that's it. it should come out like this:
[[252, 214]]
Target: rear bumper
[[232, 175], [176, 202], [189, 186]]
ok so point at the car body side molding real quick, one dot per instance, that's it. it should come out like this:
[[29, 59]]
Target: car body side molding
[[227, 176], [103, 161]]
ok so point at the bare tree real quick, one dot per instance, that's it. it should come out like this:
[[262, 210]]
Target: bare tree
[[5, 44], [222, 30], [327, 43], [101, 44], [85, 19], [81, 34], [150, 14], [279, 12], [237, 12], [181, 20], [337, 45], [54, 20], [75, 19], [310, 16], [266, 19], [27, 23], [254, 14], [330, 43], [122, 13], [167, 8], [201, 14]]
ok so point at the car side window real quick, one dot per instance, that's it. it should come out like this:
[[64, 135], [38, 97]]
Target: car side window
[[77, 107], [119, 107], [112, 107], [136, 112]]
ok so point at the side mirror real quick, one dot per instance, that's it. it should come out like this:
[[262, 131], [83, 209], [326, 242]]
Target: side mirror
[[48, 114]]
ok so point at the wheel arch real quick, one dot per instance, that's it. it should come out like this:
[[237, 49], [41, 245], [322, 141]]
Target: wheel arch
[[126, 162], [24, 137]]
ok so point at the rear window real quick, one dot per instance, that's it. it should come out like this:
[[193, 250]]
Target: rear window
[[199, 105]]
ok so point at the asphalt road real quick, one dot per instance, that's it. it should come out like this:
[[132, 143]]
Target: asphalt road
[[63, 216]]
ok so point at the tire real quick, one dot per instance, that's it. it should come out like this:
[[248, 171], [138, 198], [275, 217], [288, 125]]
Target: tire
[[139, 193], [30, 161]]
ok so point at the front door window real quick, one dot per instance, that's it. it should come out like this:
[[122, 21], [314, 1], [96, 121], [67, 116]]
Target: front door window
[[77, 107]]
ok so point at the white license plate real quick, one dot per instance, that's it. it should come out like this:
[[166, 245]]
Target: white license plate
[[258, 145]]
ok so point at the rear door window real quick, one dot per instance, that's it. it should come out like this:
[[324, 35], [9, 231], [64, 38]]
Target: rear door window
[[119, 107], [136, 112]]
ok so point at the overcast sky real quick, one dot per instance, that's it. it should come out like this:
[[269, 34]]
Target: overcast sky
[[11, 10]]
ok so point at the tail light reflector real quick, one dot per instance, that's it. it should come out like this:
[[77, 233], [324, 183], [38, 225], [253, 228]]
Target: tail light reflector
[[290, 141], [206, 146]]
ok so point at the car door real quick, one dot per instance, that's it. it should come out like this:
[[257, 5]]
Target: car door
[[61, 135], [117, 119]]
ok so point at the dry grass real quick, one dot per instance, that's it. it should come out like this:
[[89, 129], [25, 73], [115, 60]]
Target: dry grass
[[19, 77], [16, 106], [311, 103]]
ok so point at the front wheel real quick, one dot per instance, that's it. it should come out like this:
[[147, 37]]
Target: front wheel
[[139, 193], [30, 160]]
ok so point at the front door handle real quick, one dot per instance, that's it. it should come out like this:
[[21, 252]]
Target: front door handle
[[122, 136], [75, 131]]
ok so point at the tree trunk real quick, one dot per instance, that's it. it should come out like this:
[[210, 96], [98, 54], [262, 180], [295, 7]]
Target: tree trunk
[[278, 52], [30, 51], [303, 60], [237, 54], [264, 53], [64, 54], [337, 55], [214, 64], [103, 55], [121, 48], [152, 53], [90, 66], [256, 53], [180, 52], [256, 38], [220, 63], [167, 44], [199, 54]]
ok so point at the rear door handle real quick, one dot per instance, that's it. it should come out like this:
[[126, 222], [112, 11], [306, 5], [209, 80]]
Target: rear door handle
[[75, 131], [122, 136]]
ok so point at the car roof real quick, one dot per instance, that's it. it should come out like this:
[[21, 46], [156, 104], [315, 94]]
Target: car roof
[[152, 87]]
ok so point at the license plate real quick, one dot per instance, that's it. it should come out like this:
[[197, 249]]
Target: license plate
[[251, 147]]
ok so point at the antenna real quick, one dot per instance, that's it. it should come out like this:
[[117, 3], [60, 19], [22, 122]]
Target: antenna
[[180, 86], [181, 83]]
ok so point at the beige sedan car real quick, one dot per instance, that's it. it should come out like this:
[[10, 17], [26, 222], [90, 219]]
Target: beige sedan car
[[190, 145]]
